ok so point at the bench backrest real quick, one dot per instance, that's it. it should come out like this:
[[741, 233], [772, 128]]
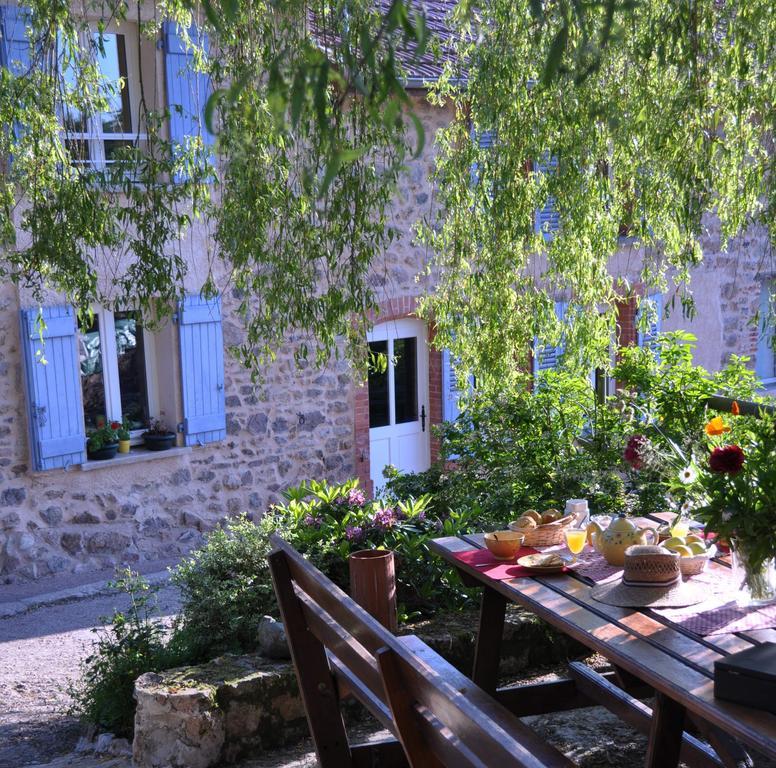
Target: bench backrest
[[337, 648]]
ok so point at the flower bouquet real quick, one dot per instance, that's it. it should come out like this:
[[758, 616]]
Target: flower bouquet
[[738, 481]]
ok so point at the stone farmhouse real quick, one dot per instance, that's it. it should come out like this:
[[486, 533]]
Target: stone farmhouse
[[238, 448]]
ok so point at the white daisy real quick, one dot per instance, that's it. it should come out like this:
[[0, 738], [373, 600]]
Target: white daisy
[[688, 475]]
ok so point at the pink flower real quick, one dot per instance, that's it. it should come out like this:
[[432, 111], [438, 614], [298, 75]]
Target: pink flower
[[354, 533], [384, 518]]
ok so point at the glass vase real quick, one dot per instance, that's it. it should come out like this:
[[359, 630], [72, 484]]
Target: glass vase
[[756, 583]]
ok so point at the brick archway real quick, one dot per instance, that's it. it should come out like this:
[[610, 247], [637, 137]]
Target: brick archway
[[396, 309]]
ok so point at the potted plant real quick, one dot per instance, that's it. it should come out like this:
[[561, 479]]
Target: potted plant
[[158, 437], [123, 434], [102, 444]]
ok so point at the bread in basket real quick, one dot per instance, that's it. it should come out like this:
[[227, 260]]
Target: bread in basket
[[543, 535]]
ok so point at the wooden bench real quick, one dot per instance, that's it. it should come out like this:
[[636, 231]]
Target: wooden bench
[[437, 716]]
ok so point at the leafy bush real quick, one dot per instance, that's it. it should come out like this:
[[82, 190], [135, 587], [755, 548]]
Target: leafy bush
[[133, 642], [663, 388], [226, 585], [225, 589], [662, 405], [526, 449], [328, 522]]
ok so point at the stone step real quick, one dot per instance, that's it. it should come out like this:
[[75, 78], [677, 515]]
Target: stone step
[[236, 706]]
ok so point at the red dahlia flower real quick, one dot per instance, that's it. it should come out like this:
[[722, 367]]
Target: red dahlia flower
[[727, 458], [635, 450]]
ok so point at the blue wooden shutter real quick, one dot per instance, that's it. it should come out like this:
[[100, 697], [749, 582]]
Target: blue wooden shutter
[[53, 378], [547, 219], [187, 90], [549, 357], [451, 393], [15, 49], [202, 370], [648, 335]]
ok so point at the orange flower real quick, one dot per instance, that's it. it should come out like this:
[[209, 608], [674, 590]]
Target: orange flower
[[716, 427], [734, 409]]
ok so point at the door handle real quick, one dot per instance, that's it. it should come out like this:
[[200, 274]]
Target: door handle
[[423, 418]]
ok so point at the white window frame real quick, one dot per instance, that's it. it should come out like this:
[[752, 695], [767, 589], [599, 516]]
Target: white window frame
[[94, 135], [110, 370]]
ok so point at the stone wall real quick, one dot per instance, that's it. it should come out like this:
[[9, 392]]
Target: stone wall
[[301, 424], [298, 425]]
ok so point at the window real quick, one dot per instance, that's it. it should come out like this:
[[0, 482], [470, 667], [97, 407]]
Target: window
[[649, 320], [116, 365], [96, 137], [393, 383], [765, 364]]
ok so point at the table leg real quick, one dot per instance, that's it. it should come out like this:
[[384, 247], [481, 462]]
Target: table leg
[[487, 654], [665, 733], [730, 752]]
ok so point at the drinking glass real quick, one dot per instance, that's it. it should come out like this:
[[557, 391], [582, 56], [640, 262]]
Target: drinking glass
[[680, 527], [576, 538]]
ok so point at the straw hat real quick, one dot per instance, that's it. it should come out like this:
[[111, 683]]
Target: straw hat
[[651, 579]]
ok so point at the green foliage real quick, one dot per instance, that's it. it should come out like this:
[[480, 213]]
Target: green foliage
[[225, 590], [663, 386], [658, 113], [312, 133], [102, 437], [535, 448], [133, 642], [226, 586], [328, 522], [664, 400]]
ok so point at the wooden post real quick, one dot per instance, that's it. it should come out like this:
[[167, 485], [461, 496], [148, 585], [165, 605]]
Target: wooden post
[[373, 585]]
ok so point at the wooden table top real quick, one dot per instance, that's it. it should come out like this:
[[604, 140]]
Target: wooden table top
[[662, 654]]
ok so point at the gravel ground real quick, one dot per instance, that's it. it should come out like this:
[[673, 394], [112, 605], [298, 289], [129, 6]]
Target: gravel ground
[[40, 652]]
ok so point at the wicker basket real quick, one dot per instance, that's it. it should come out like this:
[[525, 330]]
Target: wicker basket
[[692, 566], [547, 535]]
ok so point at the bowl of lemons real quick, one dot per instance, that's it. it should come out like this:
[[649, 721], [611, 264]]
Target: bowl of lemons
[[693, 552]]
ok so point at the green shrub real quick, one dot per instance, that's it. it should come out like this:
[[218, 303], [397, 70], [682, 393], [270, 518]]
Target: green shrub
[[328, 522], [131, 643], [225, 589], [526, 448]]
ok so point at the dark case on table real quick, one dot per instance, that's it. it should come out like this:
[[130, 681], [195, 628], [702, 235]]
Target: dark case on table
[[748, 677]]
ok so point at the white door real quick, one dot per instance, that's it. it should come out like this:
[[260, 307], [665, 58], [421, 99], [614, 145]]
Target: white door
[[399, 425]]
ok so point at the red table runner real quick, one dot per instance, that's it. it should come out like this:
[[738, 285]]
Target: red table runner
[[492, 567]]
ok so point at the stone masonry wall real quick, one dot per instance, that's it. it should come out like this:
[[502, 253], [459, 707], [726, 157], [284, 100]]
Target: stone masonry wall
[[299, 425], [302, 424]]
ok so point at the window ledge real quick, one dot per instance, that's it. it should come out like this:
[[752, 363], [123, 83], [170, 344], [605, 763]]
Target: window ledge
[[135, 456]]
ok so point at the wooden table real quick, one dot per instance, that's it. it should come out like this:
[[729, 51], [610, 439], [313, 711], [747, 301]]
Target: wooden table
[[650, 657]]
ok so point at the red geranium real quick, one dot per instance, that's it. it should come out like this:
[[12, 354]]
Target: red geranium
[[727, 458], [635, 451]]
